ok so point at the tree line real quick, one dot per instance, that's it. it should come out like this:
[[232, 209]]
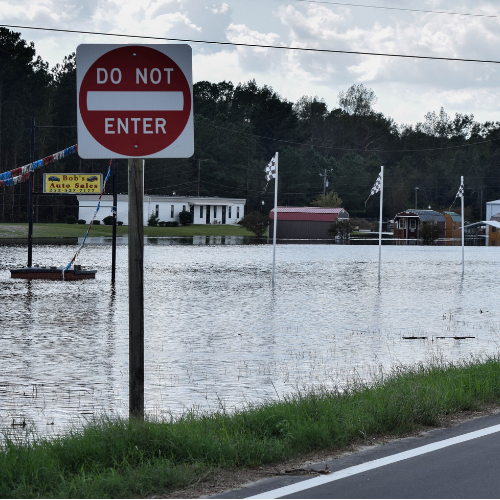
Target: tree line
[[238, 128]]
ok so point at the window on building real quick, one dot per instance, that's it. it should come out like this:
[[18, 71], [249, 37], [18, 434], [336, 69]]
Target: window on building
[[401, 223], [237, 212], [493, 229], [157, 211], [413, 223], [454, 226], [183, 208], [215, 212], [229, 212], [201, 211], [171, 211]]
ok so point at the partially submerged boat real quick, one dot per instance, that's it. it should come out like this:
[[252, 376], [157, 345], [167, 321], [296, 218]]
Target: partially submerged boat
[[53, 273]]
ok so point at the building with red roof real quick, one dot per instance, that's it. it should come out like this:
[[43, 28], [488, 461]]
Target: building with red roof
[[305, 223]]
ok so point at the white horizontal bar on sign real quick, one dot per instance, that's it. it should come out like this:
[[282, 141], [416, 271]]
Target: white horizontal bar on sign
[[135, 101]]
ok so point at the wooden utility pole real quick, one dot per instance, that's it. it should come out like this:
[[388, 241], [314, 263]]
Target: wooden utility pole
[[136, 286], [199, 168]]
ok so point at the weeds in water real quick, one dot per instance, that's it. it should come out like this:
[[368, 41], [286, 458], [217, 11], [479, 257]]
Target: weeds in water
[[125, 458]]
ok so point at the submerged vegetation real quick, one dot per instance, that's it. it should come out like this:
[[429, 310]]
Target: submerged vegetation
[[78, 230], [128, 458]]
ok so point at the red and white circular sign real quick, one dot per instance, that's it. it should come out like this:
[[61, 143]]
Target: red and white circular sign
[[133, 101]]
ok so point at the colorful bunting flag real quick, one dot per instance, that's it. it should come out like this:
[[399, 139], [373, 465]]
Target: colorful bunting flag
[[22, 174]]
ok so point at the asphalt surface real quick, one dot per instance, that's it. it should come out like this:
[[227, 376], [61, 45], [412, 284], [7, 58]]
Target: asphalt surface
[[434, 465]]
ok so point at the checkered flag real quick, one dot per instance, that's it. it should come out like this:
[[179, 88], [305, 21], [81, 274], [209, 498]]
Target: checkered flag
[[376, 187], [270, 170], [460, 193]]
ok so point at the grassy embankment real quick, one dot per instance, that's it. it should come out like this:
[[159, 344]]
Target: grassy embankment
[[79, 230], [138, 459]]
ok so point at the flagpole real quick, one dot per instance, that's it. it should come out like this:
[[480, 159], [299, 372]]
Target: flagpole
[[380, 219], [275, 212], [463, 231]]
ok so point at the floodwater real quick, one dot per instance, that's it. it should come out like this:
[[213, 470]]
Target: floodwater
[[218, 334]]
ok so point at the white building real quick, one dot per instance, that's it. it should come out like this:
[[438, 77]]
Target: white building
[[205, 209], [492, 209]]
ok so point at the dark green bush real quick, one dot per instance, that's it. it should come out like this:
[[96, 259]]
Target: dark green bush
[[120, 223], [255, 222], [71, 219], [341, 228], [108, 220], [82, 221], [185, 218], [97, 222], [153, 220]]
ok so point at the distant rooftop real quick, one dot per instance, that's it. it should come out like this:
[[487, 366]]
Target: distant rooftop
[[423, 215], [454, 216], [309, 214], [309, 210]]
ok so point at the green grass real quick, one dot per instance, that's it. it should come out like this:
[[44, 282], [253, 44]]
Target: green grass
[[122, 458], [79, 230]]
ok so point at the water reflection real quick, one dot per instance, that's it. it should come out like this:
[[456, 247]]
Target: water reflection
[[178, 240], [217, 331]]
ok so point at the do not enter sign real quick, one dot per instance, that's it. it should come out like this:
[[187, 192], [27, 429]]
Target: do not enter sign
[[135, 101]]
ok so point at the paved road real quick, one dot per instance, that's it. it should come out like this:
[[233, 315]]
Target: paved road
[[462, 462]]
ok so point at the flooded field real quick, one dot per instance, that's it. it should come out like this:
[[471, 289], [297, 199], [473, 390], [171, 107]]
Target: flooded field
[[217, 333]]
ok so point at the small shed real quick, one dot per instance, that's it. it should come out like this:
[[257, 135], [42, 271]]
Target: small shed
[[493, 239], [411, 224], [453, 225], [305, 223]]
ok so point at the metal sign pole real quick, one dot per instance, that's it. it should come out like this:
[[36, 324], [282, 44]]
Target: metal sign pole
[[115, 201], [463, 221], [136, 286], [380, 219], [30, 196], [275, 212]]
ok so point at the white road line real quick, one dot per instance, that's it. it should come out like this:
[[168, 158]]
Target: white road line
[[135, 101], [351, 471]]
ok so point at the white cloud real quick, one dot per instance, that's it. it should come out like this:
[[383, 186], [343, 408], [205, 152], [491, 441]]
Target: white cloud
[[405, 87], [240, 33]]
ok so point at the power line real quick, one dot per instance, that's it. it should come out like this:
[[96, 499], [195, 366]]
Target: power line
[[400, 8], [237, 44]]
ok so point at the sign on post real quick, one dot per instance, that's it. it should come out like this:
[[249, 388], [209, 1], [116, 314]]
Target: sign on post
[[135, 101], [72, 183]]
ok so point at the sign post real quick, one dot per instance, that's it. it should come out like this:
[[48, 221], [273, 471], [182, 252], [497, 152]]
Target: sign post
[[135, 102], [115, 203], [136, 286], [30, 196]]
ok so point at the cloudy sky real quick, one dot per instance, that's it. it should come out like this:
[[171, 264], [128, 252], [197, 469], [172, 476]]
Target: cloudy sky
[[406, 88]]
